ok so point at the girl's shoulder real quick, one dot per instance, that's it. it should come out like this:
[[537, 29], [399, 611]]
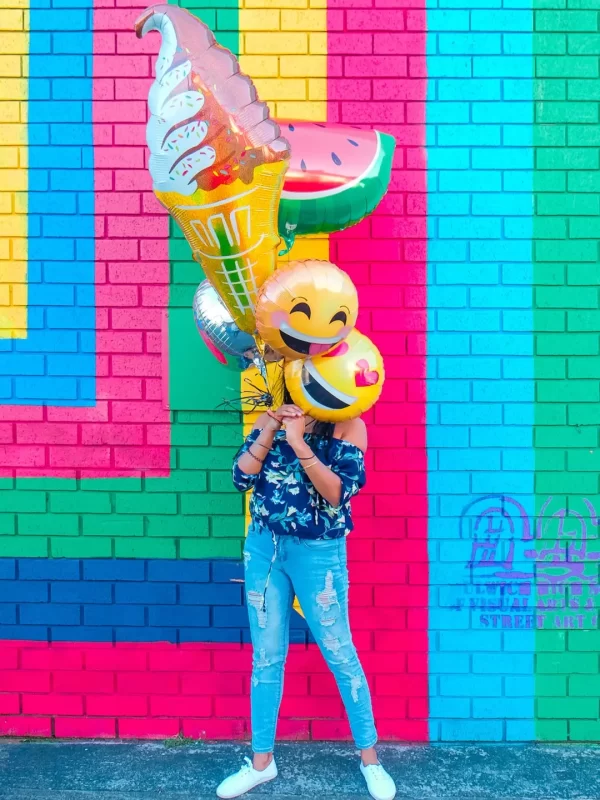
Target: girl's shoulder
[[353, 431]]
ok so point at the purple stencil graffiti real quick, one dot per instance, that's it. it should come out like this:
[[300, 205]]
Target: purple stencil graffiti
[[569, 553], [497, 525], [503, 547], [542, 575]]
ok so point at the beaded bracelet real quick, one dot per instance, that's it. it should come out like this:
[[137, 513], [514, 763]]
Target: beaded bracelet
[[256, 458]]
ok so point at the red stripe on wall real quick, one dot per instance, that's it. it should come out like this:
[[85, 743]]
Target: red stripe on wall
[[376, 79]]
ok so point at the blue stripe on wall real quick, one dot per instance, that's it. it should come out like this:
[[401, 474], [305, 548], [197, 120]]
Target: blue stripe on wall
[[121, 600], [56, 363], [480, 371]]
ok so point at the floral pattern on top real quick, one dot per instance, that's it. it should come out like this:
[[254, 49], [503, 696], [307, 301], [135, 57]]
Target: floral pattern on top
[[284, 499]]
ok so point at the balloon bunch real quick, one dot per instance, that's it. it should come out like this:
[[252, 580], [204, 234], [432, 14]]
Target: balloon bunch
[[236, 188]]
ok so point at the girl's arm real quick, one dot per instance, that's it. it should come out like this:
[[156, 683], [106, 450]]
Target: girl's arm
[[326, 482], [251, 461]]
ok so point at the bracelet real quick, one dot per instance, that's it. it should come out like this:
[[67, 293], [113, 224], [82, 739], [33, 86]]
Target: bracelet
[[312, 463], [256, 458], [306, 458], [262, 445]]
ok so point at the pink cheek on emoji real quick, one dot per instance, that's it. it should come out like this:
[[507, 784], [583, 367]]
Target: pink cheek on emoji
[[338, 350], [277, 317]]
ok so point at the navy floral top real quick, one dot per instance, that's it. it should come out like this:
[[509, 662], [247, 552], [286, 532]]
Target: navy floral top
[[284, 499]]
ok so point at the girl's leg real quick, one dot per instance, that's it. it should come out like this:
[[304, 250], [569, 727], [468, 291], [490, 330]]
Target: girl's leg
[[269, 597], [320, 579]]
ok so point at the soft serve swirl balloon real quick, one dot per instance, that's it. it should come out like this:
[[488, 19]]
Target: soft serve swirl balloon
[[217, 160]]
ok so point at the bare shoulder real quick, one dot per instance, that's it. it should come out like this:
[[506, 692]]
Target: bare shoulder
[[260, 421], [353, 431]]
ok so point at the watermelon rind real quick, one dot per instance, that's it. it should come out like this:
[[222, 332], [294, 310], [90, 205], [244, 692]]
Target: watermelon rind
[[334, 209]]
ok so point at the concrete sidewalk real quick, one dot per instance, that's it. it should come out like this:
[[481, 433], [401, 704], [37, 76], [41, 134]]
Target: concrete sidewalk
[[50, 770]]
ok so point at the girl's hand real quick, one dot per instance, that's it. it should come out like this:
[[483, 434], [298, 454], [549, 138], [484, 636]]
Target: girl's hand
[[287, 410], [275, 418], [294, 427]]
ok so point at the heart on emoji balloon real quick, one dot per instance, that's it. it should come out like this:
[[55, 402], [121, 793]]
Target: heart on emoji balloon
[[365, 376]]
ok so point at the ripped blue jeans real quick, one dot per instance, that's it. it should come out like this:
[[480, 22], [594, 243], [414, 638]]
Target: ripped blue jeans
[[276, 568]]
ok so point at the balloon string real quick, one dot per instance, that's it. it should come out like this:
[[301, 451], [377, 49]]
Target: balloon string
[[289, 237]]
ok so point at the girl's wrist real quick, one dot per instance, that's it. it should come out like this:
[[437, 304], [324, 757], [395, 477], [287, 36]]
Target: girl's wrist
[[301, 449], [273, 424]]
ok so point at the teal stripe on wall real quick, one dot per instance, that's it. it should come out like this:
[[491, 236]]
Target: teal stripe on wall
[[480, 371]]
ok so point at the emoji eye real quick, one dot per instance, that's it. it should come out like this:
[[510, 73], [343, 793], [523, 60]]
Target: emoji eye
[[341, 316], [303, 307]]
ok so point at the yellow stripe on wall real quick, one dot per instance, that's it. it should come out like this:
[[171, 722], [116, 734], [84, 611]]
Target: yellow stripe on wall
[[14, 62], [283, 48]]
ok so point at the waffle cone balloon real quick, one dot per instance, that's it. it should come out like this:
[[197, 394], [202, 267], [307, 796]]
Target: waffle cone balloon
[[216, 159]]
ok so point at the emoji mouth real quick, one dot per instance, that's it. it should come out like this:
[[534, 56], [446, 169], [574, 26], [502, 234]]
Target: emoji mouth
[[321, 393], [304, 345]]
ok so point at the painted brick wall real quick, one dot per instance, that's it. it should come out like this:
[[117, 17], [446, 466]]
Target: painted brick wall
[[474, 563]]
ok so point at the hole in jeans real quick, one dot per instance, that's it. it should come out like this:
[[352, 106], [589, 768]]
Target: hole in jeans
[[327, 601], [256, 600]]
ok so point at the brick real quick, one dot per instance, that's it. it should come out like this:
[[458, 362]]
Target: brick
[[217, 729], [566, 21], [26, 726], [61, 705], [25, 681], [84, 728], [148, 728], [84, 682], [117, 705], [181, 706]]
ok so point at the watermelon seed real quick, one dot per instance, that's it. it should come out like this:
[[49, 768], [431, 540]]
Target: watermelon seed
[[336, 159], [319, 124], [353, 142], [291, 128], [303, 166]]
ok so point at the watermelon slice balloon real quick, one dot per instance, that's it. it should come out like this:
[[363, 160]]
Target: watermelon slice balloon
[[337, 175]]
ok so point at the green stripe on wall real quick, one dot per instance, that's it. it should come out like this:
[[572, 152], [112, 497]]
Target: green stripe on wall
[[567, 364]]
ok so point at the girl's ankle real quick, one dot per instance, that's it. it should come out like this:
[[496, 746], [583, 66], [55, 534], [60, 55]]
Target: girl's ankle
[[261, 761], [369, 757]]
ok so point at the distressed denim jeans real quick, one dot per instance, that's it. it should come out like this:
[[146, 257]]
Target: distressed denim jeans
[[276, 568]]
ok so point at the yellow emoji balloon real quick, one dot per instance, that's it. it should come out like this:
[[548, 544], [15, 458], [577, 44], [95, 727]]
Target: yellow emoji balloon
[[340, 384], [305, 308]]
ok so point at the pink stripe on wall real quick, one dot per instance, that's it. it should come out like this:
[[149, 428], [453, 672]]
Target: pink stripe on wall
[[157, 691], [376, 79], [127, 432]]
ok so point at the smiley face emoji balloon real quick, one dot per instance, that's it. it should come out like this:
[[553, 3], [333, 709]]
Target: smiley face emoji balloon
[[340, 384], [306, 308]]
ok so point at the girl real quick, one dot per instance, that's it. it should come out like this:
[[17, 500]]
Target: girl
[[303, 474]]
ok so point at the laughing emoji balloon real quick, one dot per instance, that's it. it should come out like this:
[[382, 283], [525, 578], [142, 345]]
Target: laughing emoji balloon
[[306, 308], [340, 384]]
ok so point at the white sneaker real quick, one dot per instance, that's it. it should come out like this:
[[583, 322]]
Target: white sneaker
[[247, 778], [379, 783]]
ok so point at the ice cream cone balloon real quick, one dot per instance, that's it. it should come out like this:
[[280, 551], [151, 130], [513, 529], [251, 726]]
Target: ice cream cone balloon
[[216, 159]]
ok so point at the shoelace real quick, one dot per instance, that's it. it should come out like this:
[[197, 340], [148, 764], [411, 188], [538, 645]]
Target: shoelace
[[246, 767], [377, 771]]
